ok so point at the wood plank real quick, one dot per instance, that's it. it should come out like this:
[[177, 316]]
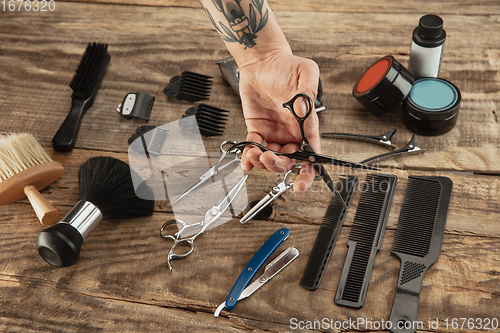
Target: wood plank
[[343, 46], [464, 275], [473, 195], [355, 6]]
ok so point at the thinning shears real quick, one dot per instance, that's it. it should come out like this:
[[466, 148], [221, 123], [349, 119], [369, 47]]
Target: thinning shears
[[306, 152], [275, 193], [211, 216], [216, 168]]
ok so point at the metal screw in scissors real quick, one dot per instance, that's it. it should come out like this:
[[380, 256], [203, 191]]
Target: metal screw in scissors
[[211, 216], [275, 193], [216, 168]]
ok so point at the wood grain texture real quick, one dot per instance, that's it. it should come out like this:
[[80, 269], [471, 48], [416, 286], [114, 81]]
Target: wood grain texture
[[151, 48], [121, 282]]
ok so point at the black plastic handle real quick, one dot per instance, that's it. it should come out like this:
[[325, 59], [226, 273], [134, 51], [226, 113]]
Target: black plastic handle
[[65, 138]]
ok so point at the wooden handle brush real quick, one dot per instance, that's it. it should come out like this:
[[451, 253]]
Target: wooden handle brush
[[26, 168], [106, 192]]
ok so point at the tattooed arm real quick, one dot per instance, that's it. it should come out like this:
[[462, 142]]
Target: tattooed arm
[[269, 76]]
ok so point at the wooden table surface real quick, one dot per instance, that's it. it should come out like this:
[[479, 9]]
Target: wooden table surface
[[121, 281]]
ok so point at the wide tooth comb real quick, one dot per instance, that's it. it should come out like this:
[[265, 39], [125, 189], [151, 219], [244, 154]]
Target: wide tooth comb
[[189, 86], [328, 233], [365, 239], [417, 243], [211, 120]]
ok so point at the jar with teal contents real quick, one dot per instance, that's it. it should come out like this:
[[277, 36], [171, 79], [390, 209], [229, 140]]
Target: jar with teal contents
[[431, 107]]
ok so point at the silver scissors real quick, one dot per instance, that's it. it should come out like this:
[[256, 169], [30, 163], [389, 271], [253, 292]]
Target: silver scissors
[[275, 193], [216, 168], [211, 216]]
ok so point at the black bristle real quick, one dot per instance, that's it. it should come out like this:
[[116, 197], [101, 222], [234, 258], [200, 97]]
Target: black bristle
[[417, 217], [88, 73], [328, 234], [107, 183], [365, 236]]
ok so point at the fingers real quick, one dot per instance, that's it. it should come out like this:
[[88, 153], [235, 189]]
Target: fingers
[[251, 154], [305, 178], [276, 163]]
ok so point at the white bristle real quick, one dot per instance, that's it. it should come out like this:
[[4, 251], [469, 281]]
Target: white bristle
[[19, 152]]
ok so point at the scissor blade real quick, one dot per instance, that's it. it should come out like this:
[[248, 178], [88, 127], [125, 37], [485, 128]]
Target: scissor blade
[[329, 182], [257, 208], [224, 203], [337, 161], [191, 187], [271, 270]]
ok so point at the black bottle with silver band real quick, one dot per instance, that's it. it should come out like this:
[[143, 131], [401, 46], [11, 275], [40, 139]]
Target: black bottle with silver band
[[427, 47]]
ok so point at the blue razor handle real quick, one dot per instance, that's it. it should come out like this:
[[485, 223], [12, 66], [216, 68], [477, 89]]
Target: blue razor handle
[[254, 265]]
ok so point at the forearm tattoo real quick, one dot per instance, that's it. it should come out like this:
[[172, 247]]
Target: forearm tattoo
[[243, 24]]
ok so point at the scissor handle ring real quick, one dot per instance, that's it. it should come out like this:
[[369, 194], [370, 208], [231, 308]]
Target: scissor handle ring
[[232, 142], [175, 236], [289, 106], [173, 255]]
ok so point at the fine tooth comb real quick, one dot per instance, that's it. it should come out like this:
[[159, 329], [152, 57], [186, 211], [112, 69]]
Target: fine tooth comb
[[382, 139], [365, 239], [417, 243], [84, 84], [189, 86], [328, 233], [211, 120]]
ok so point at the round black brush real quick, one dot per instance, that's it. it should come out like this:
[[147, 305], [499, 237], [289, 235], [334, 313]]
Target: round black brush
[[106, 192]]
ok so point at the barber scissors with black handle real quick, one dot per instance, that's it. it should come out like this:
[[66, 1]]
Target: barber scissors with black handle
[[306, 152]]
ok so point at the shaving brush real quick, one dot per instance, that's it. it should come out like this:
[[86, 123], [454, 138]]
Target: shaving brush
[[106, 192]]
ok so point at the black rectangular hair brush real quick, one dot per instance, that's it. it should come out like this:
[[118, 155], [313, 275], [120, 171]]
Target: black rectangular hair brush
[[417, 243], [328, 233], [84, 84], [365, 239]]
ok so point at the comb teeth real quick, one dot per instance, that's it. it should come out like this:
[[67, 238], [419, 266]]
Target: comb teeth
[[189, 86], [89, 71], [417, 242], [211, 120], [153, 138], [365, 239], [328, 233], [417, 217]]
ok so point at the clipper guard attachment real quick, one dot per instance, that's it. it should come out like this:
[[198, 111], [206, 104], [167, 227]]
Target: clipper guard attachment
[[153, 138], [211, 120], [189, 86]]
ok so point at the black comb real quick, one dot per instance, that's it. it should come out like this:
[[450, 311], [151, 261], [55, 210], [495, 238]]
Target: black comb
[[189, 86], [328, 233], [365, 239], [417, 243], [211, 120], [85, 84]]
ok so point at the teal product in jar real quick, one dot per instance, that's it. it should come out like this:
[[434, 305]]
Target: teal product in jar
[[431, 108]]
